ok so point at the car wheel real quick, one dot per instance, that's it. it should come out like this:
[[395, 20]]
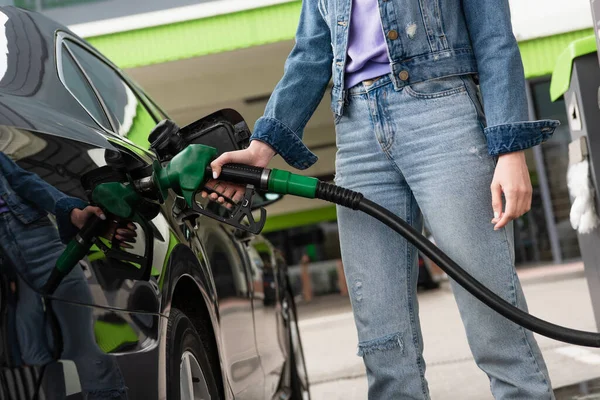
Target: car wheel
[[189, 373], [298, 375]]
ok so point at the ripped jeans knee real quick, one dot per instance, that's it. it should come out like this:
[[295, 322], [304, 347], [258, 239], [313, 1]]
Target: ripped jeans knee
[[388, 342]]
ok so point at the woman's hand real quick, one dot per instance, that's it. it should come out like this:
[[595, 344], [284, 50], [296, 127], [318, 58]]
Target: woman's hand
[[258, 154], [80, 217], [123, 235], [511, 178]]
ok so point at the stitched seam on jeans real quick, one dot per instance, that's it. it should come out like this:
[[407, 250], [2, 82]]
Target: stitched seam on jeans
[[375, 119], [535, 361], [390, 158], [480, 116], [409, 283], [385, 124], [525, 339], [515, 303]]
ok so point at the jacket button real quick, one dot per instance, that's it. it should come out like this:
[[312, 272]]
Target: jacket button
[[392, 35], [403, 75]]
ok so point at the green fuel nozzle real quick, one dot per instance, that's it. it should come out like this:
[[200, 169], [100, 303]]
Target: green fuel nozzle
[[119, 201], [189, 170]]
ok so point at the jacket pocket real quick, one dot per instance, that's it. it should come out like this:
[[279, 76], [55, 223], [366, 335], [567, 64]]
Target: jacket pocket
[[436, 88], [41, 221]]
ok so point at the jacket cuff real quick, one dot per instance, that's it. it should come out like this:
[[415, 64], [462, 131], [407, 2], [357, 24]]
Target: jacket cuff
[[284, 141], [63, 208], [507, 138]]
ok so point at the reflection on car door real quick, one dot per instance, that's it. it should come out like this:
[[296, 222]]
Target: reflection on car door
[[235, 309], [267, 322], [54, 166]]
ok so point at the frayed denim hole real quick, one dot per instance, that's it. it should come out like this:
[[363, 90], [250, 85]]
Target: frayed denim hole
[[385, 343]]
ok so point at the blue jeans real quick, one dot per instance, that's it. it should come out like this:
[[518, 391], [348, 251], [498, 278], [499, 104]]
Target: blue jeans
[[32, 250], [423, 149]]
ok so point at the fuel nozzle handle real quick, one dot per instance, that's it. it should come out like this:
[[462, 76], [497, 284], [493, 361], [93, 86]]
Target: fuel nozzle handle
[[272, 180], [77, 248], [244, 175]]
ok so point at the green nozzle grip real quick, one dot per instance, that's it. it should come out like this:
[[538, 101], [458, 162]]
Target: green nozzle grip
[[185, 173], [284, 182]]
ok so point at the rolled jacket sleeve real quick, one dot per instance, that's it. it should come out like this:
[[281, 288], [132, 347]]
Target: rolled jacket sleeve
[[306, 75], [502, 79], [64, 206]]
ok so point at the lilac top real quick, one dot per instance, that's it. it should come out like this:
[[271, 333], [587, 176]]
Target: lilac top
[[3, 207], [367, 50]]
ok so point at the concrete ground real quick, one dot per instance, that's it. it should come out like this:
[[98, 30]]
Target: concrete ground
[[555, 293]]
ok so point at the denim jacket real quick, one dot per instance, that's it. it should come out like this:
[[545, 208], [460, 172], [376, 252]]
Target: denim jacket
[[426, 39], [29, 197]]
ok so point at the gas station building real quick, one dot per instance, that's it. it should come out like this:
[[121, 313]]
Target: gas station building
[[195, 57]]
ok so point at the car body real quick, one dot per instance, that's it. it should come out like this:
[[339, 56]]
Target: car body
[[66, 111]]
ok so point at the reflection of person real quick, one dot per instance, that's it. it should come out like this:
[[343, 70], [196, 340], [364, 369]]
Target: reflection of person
[[412, 136], [31, 244]]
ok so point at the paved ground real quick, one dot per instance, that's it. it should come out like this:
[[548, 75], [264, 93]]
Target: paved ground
[[556, 293]]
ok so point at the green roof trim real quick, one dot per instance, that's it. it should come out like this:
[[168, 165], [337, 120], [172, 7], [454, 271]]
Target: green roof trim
[[200, 37], [271, 24], [300, 218], [561, 77]]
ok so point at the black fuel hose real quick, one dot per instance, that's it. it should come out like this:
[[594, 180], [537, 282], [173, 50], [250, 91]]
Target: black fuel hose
[[284, 182], [356, 201]]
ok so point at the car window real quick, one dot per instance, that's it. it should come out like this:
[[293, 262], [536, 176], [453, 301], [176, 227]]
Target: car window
[[130, 115], [79, 87]]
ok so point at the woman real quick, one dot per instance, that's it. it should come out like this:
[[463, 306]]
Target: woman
[[413, 135]]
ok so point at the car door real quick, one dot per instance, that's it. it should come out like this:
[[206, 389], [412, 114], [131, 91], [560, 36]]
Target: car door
[[228, 267], [270, 337]]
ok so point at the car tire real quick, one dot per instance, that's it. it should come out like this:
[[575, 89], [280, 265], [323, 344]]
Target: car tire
[[299, 383], [189, 372]]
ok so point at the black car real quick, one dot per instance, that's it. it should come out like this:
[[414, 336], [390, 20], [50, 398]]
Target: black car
[[202, 310]]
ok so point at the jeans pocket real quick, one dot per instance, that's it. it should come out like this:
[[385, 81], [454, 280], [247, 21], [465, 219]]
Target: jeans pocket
[[436, 88]]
